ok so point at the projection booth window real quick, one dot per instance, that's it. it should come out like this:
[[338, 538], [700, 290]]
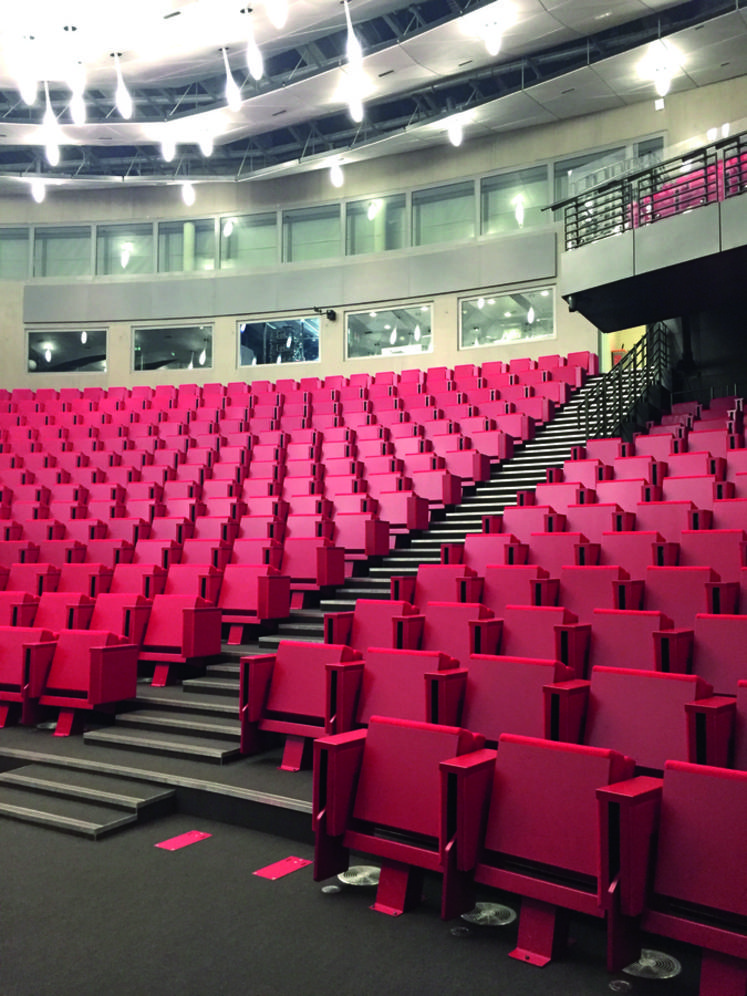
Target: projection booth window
[[64, 352], [402, 331], [173, 347], [279, 340], [507, 317]]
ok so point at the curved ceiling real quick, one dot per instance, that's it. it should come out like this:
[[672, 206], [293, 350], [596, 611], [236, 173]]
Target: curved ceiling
[[423, 64]]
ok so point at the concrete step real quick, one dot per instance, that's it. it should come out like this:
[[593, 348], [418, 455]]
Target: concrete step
[[164, 742]]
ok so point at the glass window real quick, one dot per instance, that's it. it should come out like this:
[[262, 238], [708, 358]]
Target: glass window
[[64, 251], [14, 253], [248, 241], [279, 340], [375, 225], [311, 233], [445, 214], [67, 352], [184, 246], [576, 175], [513, 201], [122, 250], [177, 347], [402, 331], [507, 317]]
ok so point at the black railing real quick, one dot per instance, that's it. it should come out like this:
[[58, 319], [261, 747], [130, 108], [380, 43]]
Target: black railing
[[704, 176], [623, 399]]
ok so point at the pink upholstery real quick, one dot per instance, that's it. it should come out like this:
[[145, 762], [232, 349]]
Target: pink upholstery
[[25, 656], [182, 629]]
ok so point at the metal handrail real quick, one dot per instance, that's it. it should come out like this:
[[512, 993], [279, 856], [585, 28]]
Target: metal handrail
[[619, 403]]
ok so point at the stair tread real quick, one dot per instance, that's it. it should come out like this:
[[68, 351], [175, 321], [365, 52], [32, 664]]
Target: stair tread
[[154, 741], [72, 815], [175, 698], [177, 721], [79, 782]]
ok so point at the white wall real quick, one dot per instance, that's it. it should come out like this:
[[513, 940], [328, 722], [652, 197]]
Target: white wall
[[686, 116]]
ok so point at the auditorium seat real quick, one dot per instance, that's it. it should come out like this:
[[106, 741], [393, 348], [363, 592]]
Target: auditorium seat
[[251, 594], [554, 550], [421, 685], [456, 628], [696, 893], [181, 630], [364, 786], [681, 592], [628, 638], [543, 840], [368, 625], [550, 632], [25, 656], [291, 692], [58, 610], [436, 583], [89, 668]]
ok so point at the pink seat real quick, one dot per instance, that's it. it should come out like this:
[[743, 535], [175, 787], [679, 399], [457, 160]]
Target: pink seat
[[368, 625], [696, 896], [25, 655], [364, 784], [550, 632], [480, 549], [182, 629], [543, 840], [682, 592], [458, 629], [583, 589], [289, 692], [311, 564], [194, 579], [122, 613], [421, 685], [720, 651], [637, 550], [596, 519], [505, 695], [33, 577], [626, 638], [721, 549], [251, 594], [138, 579], [665, 707], [553, 551], [434, 583], [59, 610], [510, 585], [89, 668], [524, 520]]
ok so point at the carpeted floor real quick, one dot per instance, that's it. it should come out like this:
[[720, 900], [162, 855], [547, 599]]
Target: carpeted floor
[[121, 917]]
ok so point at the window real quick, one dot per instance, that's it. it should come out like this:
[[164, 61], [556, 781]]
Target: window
[[124, 250], [81, 351], [184, 246], [248, 241], [14, 253], [311, 233], [177, 347], [513, 201], [279, 340], [507, 317], [401, 331], [375, 225], [63, 251], [443, 214]]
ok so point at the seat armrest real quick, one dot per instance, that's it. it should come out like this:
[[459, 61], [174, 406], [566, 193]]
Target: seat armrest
[[337, 760], [337, 626], [565, 709], [628, 594], [544, 591], [444, 695], [465, 793], [485, 635], [469, 589], [710, 724], [407, 631], [673, 650], [403, 588], [254, 683], [628, 819], [37, 659], [572, 645], [452, 553], [723, 597], [343, 682]]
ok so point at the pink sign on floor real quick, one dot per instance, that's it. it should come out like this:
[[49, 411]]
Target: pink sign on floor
[[183, 840], [280, 868]]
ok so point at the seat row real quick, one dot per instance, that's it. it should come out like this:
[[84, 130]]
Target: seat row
[[568, 828]]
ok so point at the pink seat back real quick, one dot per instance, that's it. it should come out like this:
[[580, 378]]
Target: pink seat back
[[298, 685], [393, 683]]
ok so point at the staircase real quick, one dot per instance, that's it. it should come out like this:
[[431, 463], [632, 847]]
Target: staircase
[[550, 448], [79, 801]]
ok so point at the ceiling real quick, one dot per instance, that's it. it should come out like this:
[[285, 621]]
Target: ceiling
[[423, 63]]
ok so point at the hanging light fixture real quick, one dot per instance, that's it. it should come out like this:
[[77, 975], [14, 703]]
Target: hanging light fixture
[[28, 82], [336, 176], [38, 189], [51, 131], [355, 107], [122, 98], [455, 131], [530, 316], [202, 358], [206, 144], [233, 91], [254, 61], [83, 337], [393, 336], [188, 193], [168, 147], [353, 50], [373, 209]]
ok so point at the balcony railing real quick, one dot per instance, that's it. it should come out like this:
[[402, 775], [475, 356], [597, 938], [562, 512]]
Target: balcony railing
[[704, 176]]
